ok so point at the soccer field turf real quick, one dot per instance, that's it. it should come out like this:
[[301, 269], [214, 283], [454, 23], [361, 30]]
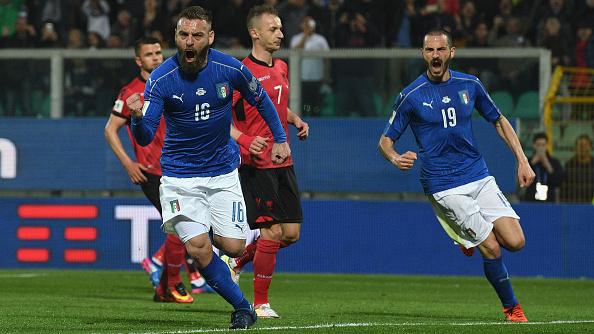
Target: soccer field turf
[[85, 301]]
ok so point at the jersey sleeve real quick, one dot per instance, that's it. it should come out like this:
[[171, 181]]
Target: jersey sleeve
[[251, 90], [144, 128], [119, 106], [483, 103], [401, 116]]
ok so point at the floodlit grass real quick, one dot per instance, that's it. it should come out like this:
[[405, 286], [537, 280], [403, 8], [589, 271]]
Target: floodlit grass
[[68, 301]]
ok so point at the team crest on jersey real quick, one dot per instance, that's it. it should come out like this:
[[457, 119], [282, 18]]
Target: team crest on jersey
[[174, 206], [222, 90], [253, 85], [464, 96]]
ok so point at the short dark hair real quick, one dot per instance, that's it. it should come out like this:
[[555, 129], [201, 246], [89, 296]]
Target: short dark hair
[[439, 32], [540, 135], [196, 13], [143, 41], [257, 11]]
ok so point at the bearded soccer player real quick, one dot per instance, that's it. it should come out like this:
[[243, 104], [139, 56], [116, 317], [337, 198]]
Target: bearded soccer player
[[200, 185], [438, 107], [146, 172], [270, 190]]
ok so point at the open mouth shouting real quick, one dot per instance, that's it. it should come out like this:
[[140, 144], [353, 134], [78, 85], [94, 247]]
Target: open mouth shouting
[[189, 55], [436, 65]]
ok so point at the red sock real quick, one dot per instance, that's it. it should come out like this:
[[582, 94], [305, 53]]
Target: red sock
[[247, 255], [174, 258], [264, 261], [159, 256]]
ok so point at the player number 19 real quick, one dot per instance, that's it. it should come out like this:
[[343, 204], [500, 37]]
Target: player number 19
[[449, 118]]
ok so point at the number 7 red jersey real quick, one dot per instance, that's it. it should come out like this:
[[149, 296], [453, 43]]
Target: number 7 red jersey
[[275, 80]]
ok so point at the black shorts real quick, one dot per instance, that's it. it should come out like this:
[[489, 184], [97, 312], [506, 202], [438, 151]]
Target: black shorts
[[151, 189], [271, 196]]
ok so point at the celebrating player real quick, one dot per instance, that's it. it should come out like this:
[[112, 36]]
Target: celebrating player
[[146, 171], [200, 186], [438, 106], [270, 190]]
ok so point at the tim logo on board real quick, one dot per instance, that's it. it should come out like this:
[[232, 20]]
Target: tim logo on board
[[8, 159]]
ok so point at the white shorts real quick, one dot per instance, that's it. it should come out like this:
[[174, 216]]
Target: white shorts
[[467, 212], [192, 206]]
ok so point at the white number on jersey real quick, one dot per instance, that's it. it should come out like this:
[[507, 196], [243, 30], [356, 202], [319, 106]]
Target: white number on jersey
[[202, 112], [450, 119], [280, 92]]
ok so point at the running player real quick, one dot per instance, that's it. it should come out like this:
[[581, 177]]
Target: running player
[[146, 171], [200, 186], [438, 106], [270, 190]]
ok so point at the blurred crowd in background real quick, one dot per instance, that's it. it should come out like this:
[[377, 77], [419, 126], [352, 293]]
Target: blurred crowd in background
[[564, 26], [351, 87]]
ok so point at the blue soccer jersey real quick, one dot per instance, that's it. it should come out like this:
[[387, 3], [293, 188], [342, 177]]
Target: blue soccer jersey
[[198, 117], [440, 116]]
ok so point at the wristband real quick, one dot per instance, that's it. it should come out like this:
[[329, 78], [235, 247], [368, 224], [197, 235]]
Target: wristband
[[245, 141]]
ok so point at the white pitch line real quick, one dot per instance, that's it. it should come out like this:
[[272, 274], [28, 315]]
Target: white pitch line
[[20, 275], [380, 324]]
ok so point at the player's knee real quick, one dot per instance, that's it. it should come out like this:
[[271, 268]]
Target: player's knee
[[517, 244], [490, 248], [290, 238], [234, 250], [198, 249]]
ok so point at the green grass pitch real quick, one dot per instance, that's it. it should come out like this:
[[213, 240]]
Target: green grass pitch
[[85, 301]]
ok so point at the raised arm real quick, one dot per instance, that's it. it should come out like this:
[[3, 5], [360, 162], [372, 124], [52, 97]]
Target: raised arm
[[506, 132]]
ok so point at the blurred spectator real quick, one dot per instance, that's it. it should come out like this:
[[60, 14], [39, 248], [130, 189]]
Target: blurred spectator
[[483, 68], [97, 14], [584, 12], [17, 74], [578, 186], [54, 11], [9, 12], [292, 13], [94, 41], [231, 25], [561, 9], [327, 18], [313, 71], [152, 19], [159, 35], [584, 40], [505, 13], [125, 28], [559, 45], [49, 36], [516, 74], [353, 78], [114, 41], [466, 23], [548, 170], [78, 89]]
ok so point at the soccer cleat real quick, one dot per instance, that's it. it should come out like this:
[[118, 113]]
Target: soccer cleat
[[153, 270], [467, 251], [231, 265], [243, 318], [204, 288], [515, 314], [264, 311], [177, 295]]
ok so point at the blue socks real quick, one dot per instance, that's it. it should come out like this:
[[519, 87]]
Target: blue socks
[[496, 273], [218, 277]]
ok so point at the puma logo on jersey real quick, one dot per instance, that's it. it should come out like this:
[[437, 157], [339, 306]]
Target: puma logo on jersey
[[178, 97], [430, 104]]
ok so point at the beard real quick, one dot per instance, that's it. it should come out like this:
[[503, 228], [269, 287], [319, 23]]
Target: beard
[[192, 61]]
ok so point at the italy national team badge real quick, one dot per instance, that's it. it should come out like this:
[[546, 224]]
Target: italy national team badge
[[222, 90], [174, 206], [464, 96]]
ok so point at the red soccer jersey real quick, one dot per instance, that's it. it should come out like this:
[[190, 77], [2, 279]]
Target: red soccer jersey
[[149, 155], [247, 119]]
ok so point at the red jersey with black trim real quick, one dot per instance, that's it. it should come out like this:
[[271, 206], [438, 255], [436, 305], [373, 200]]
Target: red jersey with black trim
[[149, 155], [275, 80]]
